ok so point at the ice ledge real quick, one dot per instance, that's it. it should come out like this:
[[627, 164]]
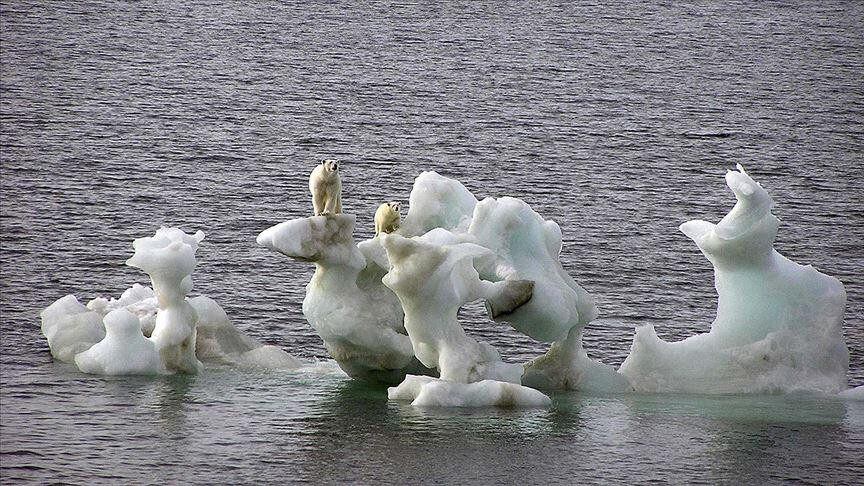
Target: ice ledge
[[315, 239], [425, 391]]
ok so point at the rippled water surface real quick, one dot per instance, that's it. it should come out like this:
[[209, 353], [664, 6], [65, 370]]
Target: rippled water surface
[[617, 120]]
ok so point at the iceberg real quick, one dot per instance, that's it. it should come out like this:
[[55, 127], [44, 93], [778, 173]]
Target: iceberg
[[169, 258], [387, 308], [359, 320], [432, 283], [190, 330], [778, 326], [70, 328], [389, 305]]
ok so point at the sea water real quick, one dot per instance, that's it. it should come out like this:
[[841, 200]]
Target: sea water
[[616, 120]]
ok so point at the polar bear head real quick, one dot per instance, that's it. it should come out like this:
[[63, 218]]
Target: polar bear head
[[330, 165]]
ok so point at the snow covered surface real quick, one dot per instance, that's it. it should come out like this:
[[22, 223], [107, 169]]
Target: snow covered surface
[[778, 326]]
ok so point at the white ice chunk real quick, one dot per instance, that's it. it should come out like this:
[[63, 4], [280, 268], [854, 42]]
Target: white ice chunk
[[455, 250], [70, 328], [437, 202], [432, 283], [73, 329], [425, 391], [124, 351], [358, 318], [409, 388], [169, 258], [138, 299], [527, 247], [522, 246], [778, 326]]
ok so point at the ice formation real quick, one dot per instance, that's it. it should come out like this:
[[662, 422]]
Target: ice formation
[[70, 328], [425, 391], [358, 318], [387, 308], [183, 330], [778, 326], [386, 303], [432, 283], [169, 258], [124, 351]]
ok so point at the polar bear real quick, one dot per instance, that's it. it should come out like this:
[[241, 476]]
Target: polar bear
[[326, 188], [387, 218]]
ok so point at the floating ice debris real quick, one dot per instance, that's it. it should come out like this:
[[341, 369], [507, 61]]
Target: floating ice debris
[[778, 326], [450, 250], [70, 328], [189, 329], [358, 318], [432, 283], [425, 391], [169, 258], [387, 308], [124, 351]]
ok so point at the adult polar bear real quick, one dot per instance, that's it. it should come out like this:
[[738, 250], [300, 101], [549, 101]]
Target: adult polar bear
[[326, 188]]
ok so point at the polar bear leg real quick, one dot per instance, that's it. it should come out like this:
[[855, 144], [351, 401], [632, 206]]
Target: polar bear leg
[[318, 203], [328, 204]]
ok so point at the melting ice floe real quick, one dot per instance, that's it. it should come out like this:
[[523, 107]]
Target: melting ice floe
[[124, 351], [142, 321], [778, 326], [387, 308]]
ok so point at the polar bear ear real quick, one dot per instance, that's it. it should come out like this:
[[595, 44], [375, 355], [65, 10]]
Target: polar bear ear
[[323, 162]]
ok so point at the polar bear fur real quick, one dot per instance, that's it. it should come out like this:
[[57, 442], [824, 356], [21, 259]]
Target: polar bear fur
[[326, 188], [387, 218]]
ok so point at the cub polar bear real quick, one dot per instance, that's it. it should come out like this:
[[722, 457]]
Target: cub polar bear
[[387, 218], [326, 188]]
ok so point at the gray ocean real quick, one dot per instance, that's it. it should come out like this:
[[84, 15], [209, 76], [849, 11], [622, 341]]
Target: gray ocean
[[617, 120]]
